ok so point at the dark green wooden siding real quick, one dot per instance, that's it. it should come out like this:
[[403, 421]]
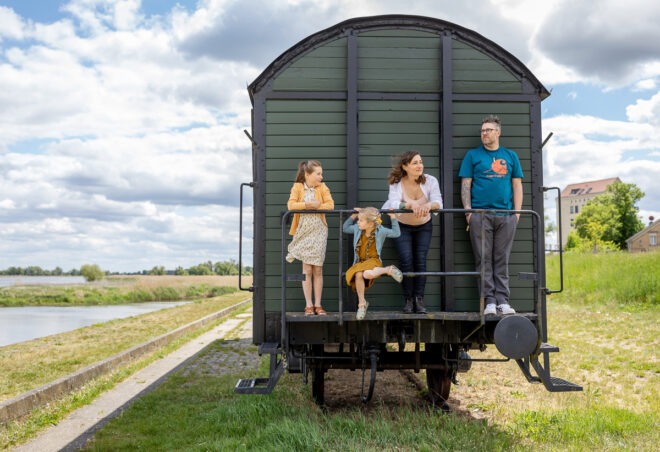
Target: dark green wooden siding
[[399, 61], [466, 121], [299, 130], [476, 72], [388, 128], [389, 61], [321, 69]]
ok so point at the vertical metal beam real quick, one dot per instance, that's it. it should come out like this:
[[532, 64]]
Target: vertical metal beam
[[259, 219], [446, 173], [537, 206], [352, 137]]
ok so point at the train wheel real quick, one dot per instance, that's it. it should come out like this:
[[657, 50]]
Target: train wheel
[[439, 384]]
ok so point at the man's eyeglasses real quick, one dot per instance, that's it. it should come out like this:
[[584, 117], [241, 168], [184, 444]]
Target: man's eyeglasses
[[486, 131]]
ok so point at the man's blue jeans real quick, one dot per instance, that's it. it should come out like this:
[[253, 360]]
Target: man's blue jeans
[[412, 246]]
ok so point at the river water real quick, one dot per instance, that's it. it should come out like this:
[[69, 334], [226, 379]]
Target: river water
[[47, 280], [30, 322]]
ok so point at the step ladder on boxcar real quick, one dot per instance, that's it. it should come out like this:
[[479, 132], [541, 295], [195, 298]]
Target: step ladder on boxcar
[[552, 384], [263, 385]]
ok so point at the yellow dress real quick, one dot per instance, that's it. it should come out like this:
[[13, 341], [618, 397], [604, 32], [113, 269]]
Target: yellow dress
[[368, 261]]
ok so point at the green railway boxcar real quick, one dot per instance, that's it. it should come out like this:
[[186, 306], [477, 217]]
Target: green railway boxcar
[[353, 96]]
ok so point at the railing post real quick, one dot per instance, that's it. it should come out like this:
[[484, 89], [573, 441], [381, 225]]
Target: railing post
[[284, 248], [340, 270]]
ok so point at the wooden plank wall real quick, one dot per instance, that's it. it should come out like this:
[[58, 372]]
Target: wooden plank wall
[[321, 69], [475, 72], [389, 61], [399, 61], [388, 128], [300, 130], [515, 118]]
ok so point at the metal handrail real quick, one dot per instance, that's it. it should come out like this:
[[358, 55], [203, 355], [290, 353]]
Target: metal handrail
[[341, 213], [561, 254], [240, 239]]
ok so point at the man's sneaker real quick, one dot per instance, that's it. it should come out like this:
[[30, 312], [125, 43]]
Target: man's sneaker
[[490, 309], [505, 309]]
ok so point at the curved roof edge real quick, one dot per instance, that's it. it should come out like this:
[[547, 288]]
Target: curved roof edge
[[359, 23]]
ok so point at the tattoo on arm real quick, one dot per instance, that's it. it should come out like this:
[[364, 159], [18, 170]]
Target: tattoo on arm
[[466, 194]]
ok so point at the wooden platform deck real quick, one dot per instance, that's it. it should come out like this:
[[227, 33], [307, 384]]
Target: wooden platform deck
[[398, 315]]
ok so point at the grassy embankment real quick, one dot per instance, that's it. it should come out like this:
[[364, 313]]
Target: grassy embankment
[[120, 290], [605, 322], [28, 365]]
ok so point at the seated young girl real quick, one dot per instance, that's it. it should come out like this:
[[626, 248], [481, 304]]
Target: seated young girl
[[369, 235]]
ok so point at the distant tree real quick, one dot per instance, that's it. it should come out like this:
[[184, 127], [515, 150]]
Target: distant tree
[[226, 268], [612, 216], [57, 271], [92, 272], [201, 269], [159, 271], [592, 243], [180, 271]]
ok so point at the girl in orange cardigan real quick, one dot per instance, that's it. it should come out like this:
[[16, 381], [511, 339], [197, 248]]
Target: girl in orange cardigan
[[310, 231]]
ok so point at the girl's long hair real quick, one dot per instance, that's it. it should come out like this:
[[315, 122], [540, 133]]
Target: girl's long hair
[[306, 167], [398, 172]]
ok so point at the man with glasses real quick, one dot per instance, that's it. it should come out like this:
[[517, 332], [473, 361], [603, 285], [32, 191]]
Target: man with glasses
[[491, 178]]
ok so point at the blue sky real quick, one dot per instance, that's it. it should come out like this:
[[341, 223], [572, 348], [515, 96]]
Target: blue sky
[[121, 136]]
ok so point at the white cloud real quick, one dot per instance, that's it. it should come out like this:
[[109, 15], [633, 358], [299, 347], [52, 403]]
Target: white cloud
[[646, 84], [11, 24], [608, 41], [586, 148], [122, 132], [645, 110]]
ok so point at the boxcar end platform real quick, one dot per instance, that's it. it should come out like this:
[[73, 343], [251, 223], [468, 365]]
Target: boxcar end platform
[[333, 317]]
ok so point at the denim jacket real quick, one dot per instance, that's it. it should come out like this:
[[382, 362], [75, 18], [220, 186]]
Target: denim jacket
[[381, 234]]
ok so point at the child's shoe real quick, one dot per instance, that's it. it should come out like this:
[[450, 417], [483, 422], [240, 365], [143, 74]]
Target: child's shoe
[[362, 311], [505, 309], [491, 309], [396, 274]]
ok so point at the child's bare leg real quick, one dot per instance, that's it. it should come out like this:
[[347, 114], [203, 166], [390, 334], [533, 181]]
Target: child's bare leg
[[376, 272], [307, 284], [318, 283], [359, 288]]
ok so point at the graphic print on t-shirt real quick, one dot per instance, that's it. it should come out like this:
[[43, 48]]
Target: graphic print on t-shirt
[[498, 167]]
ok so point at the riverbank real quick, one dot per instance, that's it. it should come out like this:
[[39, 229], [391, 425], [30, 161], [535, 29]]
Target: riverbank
[[28, 365], [121, 290]]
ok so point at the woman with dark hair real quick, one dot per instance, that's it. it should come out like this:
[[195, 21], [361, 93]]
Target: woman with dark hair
[[411, 189]]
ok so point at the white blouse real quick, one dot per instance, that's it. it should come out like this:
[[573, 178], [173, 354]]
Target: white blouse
[[430, 188]]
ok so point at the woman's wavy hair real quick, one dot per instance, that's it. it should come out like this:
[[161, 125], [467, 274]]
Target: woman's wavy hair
[[306, 167], [371, 214], [398, 172]]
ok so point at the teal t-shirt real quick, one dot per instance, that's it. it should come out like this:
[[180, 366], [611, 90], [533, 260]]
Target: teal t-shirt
[[491, 173]]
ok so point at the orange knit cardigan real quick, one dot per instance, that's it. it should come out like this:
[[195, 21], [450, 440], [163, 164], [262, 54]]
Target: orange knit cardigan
[[296, 202]]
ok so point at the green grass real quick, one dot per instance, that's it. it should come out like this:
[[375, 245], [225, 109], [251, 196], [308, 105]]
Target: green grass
[[595, 428], [608, 344], [203, 413], [616, 277], [103, 295]]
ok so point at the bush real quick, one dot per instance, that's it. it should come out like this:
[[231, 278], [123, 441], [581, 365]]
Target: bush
[[92, 272]]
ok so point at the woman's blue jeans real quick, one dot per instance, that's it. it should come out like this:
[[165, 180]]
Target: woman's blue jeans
[[412, 246]]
